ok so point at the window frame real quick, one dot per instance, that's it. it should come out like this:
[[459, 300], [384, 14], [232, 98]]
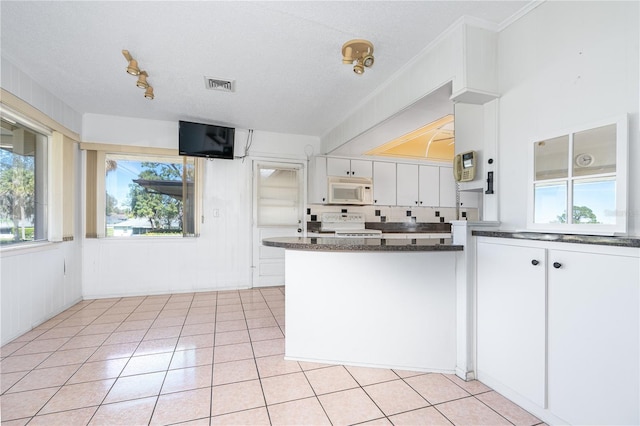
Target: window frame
[[95, 211], [620, 175], [41, 192], [61, 184]]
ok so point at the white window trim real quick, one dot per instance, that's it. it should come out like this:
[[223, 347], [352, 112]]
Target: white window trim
[[54, 180], [102, 150], [622, 179], [60, 220]]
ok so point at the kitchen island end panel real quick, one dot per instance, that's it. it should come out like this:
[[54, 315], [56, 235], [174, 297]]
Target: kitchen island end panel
[[378, 309]]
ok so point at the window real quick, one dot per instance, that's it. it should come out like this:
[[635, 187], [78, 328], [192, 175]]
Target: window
[[149, 195], [583, 172], [23, 184], [140, 192], [278, 200]]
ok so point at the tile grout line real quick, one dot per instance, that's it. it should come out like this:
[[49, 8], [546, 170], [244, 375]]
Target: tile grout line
[[213, 357], [155, 406], [255, 361], [243, 305], [81, 364], [474, 395], [129, 357], [93, 353]]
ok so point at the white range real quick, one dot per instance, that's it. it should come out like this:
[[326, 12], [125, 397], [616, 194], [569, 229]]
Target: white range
[[347, 225]]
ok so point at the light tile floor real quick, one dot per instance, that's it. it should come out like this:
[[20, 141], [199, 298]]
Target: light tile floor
[[214, 359]]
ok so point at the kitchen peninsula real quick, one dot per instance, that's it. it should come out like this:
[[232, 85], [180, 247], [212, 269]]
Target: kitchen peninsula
[[371, 301]]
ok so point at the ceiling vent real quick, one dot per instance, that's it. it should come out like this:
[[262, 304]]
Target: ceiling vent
[[218, 84]]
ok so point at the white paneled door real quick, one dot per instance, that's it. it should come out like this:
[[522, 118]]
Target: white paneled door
[[278, 212]]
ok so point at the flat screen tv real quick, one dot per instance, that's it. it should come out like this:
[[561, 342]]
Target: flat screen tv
[[206, 140]]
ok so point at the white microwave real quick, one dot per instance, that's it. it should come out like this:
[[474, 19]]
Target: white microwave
[[350, 190]]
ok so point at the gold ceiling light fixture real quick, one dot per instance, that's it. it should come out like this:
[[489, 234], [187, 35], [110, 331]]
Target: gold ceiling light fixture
[[134, 69], [360, 52], [149, 93], [142, 80]]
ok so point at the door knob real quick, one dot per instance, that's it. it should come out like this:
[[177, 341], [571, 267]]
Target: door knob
[[534, 262], [557, 265], [299, 230]]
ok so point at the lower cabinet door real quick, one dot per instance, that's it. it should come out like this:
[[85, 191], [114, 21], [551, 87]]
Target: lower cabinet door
[[593, 334], [511, 319]]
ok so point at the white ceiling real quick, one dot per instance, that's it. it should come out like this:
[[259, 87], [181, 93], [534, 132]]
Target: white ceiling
[[285, 57]]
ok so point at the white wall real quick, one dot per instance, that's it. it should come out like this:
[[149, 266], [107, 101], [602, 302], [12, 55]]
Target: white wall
[[19, 83], [560, 65], [221, 258], [565, 64], [37, 283]]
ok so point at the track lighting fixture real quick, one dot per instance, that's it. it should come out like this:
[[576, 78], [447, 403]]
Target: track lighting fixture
[[360, 52], [142, 80], [133, 69]]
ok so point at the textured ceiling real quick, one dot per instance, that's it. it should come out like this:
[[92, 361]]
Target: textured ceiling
[[285, 57]]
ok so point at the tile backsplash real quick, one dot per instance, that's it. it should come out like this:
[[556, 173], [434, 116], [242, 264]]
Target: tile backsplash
[[395, 214]]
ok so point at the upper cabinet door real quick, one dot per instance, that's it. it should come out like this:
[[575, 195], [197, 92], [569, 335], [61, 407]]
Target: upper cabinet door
[[352, 168], [384, 183], [361, 168], [317, 183], [447, 188], [429, 186], [407, 193], [338, 167]]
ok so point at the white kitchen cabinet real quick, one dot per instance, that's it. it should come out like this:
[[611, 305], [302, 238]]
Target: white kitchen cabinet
[[338, 167], [429, 186], [447, 188], [418, 185], [384, 183], [362, 168], [470, 199], [593, 338], [317, 180], [348, 167], [584, 302], [407, 193], [511, 318]]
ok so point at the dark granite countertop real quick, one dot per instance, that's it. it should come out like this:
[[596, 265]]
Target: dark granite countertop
[[562, 238], [362, 244], [397, 227]]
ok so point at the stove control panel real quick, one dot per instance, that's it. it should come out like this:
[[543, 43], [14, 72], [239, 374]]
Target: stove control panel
[[335, 221]]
